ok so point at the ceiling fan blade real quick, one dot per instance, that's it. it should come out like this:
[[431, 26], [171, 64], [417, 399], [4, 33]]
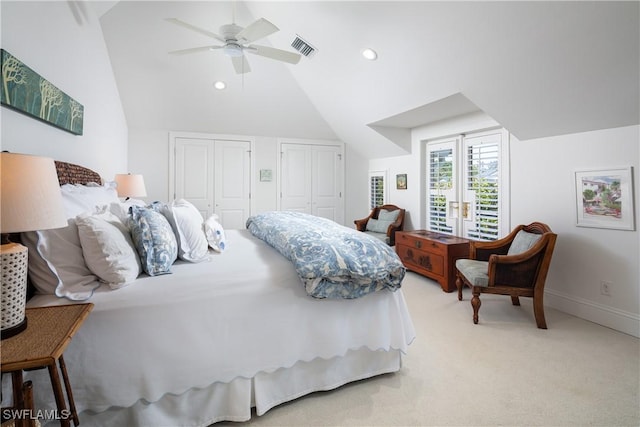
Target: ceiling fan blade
[[273, 53], [240, 64], [259, 29], [194, 50], [194, 28]]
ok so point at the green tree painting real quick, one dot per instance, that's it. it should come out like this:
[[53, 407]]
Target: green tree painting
[[26, 91]]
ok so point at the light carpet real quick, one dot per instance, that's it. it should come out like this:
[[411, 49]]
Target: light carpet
[[502, 372]]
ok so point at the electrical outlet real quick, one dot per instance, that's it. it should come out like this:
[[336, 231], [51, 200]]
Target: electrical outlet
[[605, 288]]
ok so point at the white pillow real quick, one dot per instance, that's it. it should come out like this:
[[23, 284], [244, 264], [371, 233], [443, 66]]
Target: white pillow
[[121, 209], [186, 222], [56, 263], [215, 234], [107, 248], [83, 198]]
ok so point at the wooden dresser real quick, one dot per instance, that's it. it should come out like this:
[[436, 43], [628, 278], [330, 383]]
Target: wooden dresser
[[432, 254]]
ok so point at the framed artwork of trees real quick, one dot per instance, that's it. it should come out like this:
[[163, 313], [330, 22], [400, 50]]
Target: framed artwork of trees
[[604, 198], [26, 91]]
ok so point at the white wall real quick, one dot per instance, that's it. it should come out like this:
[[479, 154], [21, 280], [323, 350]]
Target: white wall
[[46, 37], [542, 179], [542, 189], [356, 186]]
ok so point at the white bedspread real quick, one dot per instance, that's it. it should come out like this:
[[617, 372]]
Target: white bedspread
[[242, 313]]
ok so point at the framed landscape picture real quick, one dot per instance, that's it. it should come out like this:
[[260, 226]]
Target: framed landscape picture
[[604, 198], [401, 181]]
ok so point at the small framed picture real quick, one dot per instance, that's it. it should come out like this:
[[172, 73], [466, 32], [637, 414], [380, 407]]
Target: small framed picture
[[401, 181], [604, 198], [265, 175]]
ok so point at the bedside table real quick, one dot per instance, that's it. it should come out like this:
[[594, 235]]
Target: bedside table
[[432, 254], [41, 345]]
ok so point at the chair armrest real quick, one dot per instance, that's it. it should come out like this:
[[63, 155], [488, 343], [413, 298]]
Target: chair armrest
[[361, 224], [521, 270], [395, 226], [391, 232]]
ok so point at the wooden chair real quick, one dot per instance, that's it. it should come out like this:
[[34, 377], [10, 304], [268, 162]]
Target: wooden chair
[[386, 233], [515, 265]]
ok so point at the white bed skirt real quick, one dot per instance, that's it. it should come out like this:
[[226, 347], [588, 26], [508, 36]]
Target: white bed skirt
[[233, 401]]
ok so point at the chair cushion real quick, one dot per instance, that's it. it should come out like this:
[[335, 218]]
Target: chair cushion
[[379, 236], [523, 242], [378, 225], [385, 215], [476, 272]]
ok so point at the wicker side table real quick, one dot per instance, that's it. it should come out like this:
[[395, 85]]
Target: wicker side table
[[41, 345]]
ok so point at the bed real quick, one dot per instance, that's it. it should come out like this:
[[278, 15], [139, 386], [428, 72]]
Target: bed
[[215, 338]]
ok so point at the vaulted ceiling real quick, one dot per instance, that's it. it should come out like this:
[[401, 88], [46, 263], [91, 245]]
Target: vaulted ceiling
[[538, 68]]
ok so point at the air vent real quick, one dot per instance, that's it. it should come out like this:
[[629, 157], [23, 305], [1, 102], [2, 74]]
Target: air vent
[[303, 47]]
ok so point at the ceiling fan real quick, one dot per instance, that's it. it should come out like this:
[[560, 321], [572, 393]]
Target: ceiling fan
[[236, 41]]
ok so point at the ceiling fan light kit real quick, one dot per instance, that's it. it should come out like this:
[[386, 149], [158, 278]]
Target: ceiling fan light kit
[[236, 41]]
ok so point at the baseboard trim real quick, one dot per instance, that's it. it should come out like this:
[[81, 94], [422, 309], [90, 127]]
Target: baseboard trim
[[623, 321]]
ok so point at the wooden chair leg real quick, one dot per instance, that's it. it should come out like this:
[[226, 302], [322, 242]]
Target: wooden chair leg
[[538, 311], [459, 285], [515, 300], [475, 303], [27, 391]]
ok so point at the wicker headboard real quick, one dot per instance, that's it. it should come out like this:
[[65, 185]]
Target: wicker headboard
[[68, 173]]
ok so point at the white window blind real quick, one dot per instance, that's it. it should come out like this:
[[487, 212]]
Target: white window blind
[[377, 182], [440, 179], [483, 180]]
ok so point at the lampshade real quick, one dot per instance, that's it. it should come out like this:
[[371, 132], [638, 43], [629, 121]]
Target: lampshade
[[30, 199], [130, 185], [30, 194]]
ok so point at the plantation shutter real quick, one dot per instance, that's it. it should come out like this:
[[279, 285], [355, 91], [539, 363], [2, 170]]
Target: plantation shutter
[[377, 194], [482, 183], [440, 180]]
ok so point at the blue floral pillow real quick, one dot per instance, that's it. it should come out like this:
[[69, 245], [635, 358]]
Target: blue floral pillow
[[154, 240]]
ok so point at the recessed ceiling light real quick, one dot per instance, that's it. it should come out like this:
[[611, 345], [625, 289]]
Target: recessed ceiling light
[[370, 54], [220, 85]]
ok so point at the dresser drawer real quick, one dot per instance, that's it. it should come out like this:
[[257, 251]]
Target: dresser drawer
[[421, 243], [424, 260]]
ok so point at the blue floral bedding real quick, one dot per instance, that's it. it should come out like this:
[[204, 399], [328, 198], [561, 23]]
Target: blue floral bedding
[[333, 261]]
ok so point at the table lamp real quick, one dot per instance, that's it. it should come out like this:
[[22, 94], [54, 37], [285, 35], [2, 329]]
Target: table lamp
[[30, 199], [130, 185]]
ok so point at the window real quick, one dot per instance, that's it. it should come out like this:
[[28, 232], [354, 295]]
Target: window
[[377, 188], [467, 181]]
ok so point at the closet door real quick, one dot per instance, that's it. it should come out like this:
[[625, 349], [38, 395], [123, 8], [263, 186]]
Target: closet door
[[311, 180], [326, 182], [232, 183], [194, 168], [215, 176], [295, 178]]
